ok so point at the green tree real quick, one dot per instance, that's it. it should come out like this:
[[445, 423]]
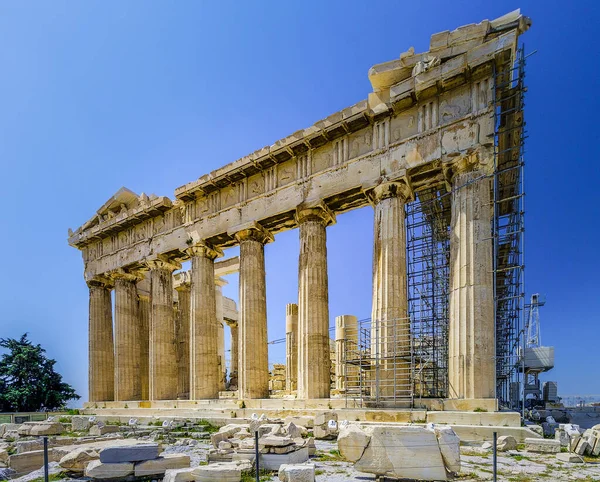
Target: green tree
[[28, 382]]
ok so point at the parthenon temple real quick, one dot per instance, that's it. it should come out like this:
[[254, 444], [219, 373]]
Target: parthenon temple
[[435, 149]]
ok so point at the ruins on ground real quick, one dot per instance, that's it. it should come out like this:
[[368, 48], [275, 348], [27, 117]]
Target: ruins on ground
[[436, 150]]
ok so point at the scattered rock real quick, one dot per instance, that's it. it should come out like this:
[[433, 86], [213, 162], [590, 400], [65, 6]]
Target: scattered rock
[[80, 423], [222, 471], [569, 457], [297, 473], [98, 430], [506, 443], [547, 446], [8, 427], [159, 465], [537, 429], [179, 475], [100, 470], [78, 459]]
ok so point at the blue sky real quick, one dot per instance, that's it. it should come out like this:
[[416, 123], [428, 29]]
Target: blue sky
[[151, 95]]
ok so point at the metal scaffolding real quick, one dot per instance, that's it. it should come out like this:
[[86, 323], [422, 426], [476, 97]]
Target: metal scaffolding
[[508, 223], [428, 276]]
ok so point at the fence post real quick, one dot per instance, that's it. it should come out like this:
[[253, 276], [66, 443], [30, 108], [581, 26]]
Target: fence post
[[495, 461], [45, 459], [256, 451]]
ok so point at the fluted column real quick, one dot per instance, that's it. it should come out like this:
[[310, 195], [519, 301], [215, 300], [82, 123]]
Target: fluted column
[[253, 375], [204, 368], [314, 364], [390, 325], [291, 347], [346, 349], [163, 353], [144, 314], [183, 340], [472, 329], [219, 283], [128, 349], [233, 367], [101, 346]]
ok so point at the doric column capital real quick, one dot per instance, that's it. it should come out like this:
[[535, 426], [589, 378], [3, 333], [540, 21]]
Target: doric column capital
[[319, 213], [469, 163], [182, 281], [162, 263], [101, 281], [126, 275], [230, 323], [253, 232], [204, 250], [386, 190]]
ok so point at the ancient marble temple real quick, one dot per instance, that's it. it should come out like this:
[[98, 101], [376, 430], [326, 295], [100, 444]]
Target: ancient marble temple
[[428, 121]]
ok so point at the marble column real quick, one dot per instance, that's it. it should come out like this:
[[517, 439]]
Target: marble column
[[233, 367], [291, 347], [163, 352], [128, 349], [346, 341], [204, 368], [183, 340], [253, 375], [101, 345], [144, 314], [472, 328], [314, 364], [390, 325], [219, 283]]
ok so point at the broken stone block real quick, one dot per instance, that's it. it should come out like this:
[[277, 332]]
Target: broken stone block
[[231, 429], [352, 442], [159, 465], [297, 473], [269, 429], [129, 453], [221, 471], [322, 418], [216, 438], [569, 457], [274, 441], [179, 475], [506, 443], [449, 444], [98, 430], [274, 461], [46, 428], [80, 423], [3, 456], [582, 447], [547, 446], [300, 421], [293, 430], [403, 452], [78, 459], [8, 427], [99, 470], [562, 437], [537, 429]]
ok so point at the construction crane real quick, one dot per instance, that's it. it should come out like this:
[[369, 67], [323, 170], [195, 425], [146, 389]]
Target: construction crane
[[533, 323], [535, 358]]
